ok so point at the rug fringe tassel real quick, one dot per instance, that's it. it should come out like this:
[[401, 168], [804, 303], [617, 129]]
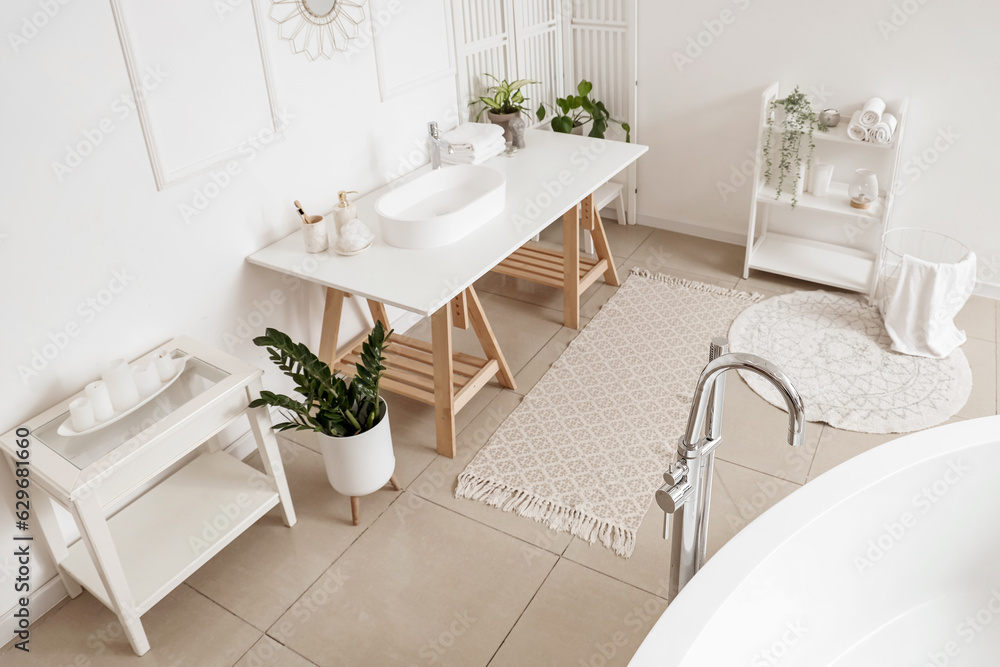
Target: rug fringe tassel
[[558, 518], [695, 285]]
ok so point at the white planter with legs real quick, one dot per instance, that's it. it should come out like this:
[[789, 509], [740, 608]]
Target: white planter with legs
[[360, 464]]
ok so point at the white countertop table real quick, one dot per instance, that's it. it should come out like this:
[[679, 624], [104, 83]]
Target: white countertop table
[[550, 178]]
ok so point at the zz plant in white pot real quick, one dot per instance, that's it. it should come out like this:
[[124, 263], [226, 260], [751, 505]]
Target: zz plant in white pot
[[350, 419]]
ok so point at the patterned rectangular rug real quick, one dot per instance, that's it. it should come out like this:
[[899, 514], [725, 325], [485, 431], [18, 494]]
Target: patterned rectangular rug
[[586, 448]]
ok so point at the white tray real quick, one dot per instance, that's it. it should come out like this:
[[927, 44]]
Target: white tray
[[66, 428]]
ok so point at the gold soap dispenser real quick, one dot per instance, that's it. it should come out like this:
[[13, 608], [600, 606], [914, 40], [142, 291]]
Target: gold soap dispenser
[[345, 211]]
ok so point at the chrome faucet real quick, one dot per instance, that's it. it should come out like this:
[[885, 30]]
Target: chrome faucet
[[435, 144], [688, 487]]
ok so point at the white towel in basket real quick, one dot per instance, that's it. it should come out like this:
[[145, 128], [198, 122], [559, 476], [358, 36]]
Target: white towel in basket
[[919, 314]]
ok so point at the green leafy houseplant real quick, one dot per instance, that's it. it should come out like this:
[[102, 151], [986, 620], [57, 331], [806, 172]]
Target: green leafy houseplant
[[329, 404], [503, 97], [800, 119], [576, 110]]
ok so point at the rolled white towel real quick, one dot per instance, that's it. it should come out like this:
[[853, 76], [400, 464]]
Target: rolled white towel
[[871, 112], [473, 136], [883, 130], [854, 128], [478, 156]]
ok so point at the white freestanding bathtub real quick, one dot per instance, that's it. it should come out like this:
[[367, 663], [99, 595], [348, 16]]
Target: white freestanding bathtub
[[892, 558]]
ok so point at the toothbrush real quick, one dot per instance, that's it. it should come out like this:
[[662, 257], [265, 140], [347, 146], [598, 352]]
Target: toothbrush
[[302, 214]]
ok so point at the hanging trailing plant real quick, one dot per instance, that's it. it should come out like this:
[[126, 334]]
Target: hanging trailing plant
[[800, 119]]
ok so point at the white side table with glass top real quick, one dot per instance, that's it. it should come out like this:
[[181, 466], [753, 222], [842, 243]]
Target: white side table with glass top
[[152, 495]]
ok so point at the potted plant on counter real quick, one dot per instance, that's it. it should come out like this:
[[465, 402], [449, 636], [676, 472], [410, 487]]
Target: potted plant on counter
[[799, 120], [503, 102], [350, 419], [575, 111]]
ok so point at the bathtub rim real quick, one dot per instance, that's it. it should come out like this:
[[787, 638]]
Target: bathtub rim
[[683, 622]]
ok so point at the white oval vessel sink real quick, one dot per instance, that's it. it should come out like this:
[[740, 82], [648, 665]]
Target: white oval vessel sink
[[441, 206]]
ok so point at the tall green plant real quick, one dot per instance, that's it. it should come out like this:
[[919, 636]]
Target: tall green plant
[[329, 405], [579, 109], [503, 97], [800, 119]]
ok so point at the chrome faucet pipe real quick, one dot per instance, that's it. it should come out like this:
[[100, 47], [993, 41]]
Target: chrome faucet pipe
[[745, 362], [687, 491], [435, 144], [719, 347]]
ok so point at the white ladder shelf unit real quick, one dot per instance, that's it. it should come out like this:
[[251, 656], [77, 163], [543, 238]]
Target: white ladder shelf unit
[[823, 239]]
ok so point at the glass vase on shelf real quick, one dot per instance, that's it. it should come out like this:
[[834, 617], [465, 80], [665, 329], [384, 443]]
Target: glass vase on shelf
[[863, 189]]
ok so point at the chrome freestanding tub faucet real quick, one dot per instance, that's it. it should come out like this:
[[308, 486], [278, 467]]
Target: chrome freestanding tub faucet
[[435, 144], [688, 487]]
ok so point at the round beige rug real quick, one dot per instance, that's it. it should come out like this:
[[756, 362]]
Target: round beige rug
[[835, 349]]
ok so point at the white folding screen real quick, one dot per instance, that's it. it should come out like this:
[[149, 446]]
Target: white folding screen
[[555, 42], [510, 39], [538, 49], [601, 48]]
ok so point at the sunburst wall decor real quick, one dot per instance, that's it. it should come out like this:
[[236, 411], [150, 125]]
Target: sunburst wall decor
[[318, 27]]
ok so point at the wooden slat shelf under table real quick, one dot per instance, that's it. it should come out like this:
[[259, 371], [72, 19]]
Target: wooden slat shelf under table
[[409, 364], [544, 265], [565, 268]]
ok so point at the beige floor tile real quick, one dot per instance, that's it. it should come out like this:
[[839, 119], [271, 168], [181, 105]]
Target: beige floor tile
[[667, 252], [520, 328], [283, 562], [540, 363], [184, 628], [437, 484], [755, 435], [837, 446], [647, 568], [421, 585], [978, 318], [269, 653], [600, 296], [740, 495], [580, 617], [982, 357]]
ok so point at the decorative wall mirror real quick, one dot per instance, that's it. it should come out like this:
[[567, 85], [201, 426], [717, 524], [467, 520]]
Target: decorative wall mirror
[[318, 27]]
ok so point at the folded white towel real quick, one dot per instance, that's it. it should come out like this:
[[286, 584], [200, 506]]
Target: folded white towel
[[475, 157], [855, 130], [919, 314], [871, 112], [883, 130], [473, 136]]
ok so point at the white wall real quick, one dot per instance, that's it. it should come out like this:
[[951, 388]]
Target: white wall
[[62, 242], [700, 119]]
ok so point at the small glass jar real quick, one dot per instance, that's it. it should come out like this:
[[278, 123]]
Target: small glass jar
[[314, 233], [863, 189]]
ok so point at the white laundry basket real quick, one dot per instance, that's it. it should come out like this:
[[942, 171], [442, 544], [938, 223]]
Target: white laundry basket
[[915, 242]]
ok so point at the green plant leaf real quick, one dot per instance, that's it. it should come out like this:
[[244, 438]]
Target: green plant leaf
[[562, 124], [584, 87], [540, 114], [599, 127]]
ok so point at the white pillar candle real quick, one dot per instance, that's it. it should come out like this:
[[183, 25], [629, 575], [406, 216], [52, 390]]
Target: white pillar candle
[[147, 379], [81, 414], [100, 400], [819, 182], [121, 385], [166, 366]]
